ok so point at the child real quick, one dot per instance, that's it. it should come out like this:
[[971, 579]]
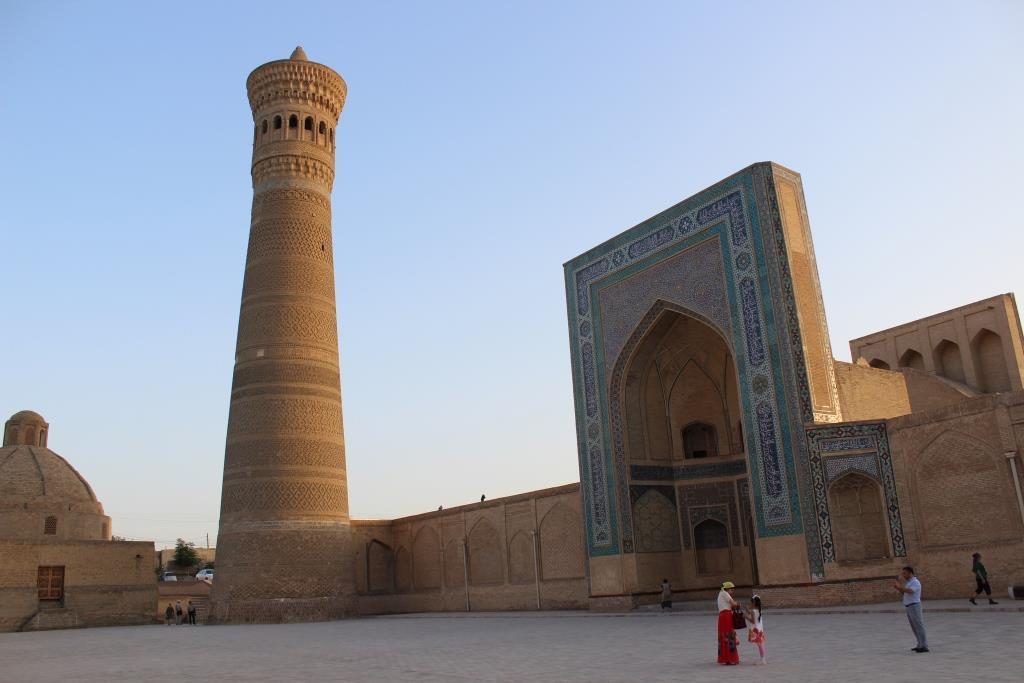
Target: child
[[666, 594], [755, 626]]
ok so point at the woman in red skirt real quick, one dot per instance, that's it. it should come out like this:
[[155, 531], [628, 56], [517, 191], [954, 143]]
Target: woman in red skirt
[[728, 643]]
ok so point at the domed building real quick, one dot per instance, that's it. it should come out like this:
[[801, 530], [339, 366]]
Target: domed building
[[42, 497], [59, 567]]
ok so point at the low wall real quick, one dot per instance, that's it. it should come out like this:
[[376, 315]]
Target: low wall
[[106, 583], [523, 552]]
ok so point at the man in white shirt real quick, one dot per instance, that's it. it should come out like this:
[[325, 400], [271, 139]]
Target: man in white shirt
[[910, 587]]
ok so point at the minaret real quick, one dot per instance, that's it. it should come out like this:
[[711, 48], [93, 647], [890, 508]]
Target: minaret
[[284, 524]]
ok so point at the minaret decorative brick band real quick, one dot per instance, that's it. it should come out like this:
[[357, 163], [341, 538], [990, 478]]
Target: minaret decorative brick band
[[282, 550]]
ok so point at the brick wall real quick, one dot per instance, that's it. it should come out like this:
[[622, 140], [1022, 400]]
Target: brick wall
[[956, 491], [418, 563], [867, 393], [106, 583]]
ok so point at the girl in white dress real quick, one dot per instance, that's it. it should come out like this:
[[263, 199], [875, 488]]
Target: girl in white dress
[[755, 626]]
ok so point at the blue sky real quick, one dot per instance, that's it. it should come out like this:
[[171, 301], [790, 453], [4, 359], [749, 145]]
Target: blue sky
[[482, 145]]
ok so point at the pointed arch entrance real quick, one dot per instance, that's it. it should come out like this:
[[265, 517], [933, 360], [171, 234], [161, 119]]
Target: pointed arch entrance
[[680, 408]]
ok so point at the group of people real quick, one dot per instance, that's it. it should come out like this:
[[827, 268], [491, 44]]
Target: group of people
[[176, 614], [731, 616]]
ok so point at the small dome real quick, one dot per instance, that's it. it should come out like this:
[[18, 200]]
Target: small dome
[[26, 415], [41, 495], [26, 427], [30, 472], [299, 55]]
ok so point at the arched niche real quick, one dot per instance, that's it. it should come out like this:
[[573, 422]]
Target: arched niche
[[426, 559], [682, 373], [711, 541], [948, 361], [990, 362], [858, 519], [912, 359]]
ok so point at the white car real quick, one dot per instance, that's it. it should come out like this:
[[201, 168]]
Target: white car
[[205, 575], [168, 576]]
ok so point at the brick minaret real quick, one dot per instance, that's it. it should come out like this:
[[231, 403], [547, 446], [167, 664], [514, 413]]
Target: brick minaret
[[284, 524]]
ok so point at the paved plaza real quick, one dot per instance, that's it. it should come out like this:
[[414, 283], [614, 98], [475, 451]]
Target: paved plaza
[[802, 646]]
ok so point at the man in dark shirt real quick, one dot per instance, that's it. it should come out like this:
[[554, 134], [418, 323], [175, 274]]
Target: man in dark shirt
[[981, 577]]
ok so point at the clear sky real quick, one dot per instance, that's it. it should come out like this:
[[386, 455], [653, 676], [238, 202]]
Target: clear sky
[[482, 145]]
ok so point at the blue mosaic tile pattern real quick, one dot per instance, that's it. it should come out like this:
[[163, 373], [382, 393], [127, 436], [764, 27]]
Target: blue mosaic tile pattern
[[719, 513], [790, 356], [837, 466], [693, 279], [725, 211], [862, 447], [684, 472]]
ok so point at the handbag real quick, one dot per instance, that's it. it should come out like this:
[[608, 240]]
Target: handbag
[[738, 622]]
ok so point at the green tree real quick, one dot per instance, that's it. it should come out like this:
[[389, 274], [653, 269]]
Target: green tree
[[185, 555]]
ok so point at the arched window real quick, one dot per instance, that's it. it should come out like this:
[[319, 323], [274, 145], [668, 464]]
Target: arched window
[[858, 519], [42, 437], [711, 539], [277, 123], [308, 124], [264, 126], [700, 441], [879, 364], [50, 527], [332, 136], [323, 128], [912, 359], [293, 121]]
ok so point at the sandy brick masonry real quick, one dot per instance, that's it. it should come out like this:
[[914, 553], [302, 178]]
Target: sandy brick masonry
[[284, 524], [105, 583], [522, 552]]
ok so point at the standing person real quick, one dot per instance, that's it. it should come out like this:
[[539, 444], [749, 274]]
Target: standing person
[[755, 626], [981, 577], [178, 611], [191, 613], [169, 613], [910, 587], [666, 594], [728, 646]]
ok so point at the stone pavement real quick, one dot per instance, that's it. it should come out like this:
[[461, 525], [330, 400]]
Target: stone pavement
[[561, 646]]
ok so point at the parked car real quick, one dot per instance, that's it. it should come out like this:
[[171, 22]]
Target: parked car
[[205, 575], [168, 576]]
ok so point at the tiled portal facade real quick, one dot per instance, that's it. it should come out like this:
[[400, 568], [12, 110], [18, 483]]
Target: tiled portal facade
[[795, 472]]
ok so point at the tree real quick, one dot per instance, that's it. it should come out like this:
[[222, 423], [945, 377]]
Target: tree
[[185, 555]]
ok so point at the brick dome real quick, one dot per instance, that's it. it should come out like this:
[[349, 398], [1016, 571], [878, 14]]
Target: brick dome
[[41, 494]]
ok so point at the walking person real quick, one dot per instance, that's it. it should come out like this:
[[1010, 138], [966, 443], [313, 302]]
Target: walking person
[[910, 587], [169, 613], [981, 577], [191, 613], [728, 645], [755, 626], [178, 611], [666, 594]]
